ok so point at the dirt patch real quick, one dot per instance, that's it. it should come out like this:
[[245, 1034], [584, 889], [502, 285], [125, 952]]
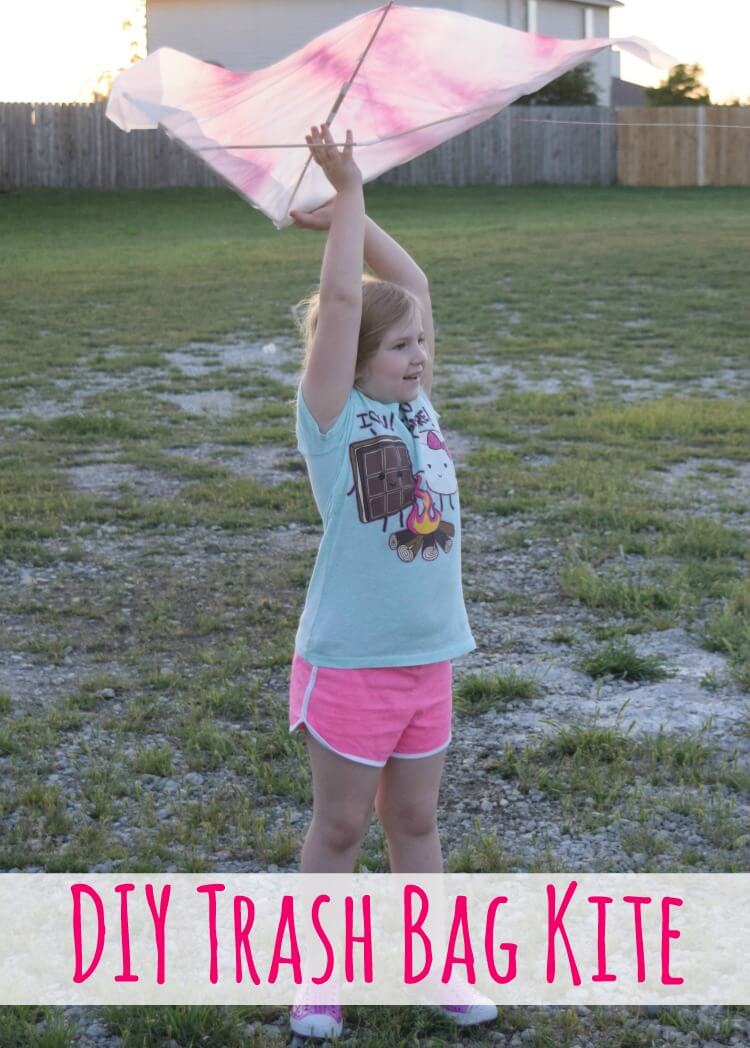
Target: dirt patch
[[272, 358], [706, 485], [266, 463], [114, 480]]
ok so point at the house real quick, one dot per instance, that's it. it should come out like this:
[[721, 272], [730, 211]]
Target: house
[[624, 93], [250, 34]]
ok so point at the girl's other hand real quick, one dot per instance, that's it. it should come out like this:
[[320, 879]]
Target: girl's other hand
[[320, 218], [338, 167]]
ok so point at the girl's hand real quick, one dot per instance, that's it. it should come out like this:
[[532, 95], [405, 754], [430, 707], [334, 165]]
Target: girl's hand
[[338, 167], [320, 218]]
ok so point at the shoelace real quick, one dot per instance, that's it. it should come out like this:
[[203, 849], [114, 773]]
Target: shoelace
[[299, 1011]]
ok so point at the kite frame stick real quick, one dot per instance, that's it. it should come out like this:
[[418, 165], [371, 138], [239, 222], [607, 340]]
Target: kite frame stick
[[459, 116], [344, 88]]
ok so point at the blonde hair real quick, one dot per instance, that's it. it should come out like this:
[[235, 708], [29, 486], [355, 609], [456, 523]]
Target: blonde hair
[[383, 305]]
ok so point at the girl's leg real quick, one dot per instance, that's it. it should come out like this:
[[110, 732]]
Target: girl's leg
[[406, 804], [343, 798]]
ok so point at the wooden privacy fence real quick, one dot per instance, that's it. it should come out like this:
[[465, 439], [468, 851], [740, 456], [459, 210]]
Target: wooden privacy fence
[[75, 146], [709, 146]]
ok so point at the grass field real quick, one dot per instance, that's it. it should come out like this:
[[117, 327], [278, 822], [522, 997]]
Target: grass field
[[157, 534]]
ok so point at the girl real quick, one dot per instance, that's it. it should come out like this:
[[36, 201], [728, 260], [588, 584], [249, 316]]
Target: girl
[[384, 614]]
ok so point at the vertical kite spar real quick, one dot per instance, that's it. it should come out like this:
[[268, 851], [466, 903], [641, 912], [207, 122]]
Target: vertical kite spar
[[340, 98]]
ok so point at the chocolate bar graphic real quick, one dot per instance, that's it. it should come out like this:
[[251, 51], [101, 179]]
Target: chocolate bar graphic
[[382, 476]]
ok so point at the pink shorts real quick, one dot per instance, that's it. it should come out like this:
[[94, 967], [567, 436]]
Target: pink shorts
[[374, 713]]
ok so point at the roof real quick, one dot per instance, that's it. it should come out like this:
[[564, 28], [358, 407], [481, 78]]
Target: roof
[[626, 93], [588, 3]]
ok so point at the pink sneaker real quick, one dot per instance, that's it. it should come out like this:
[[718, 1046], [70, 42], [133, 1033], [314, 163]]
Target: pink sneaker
[[470, 1014], [316, 1020], [476, 1007]]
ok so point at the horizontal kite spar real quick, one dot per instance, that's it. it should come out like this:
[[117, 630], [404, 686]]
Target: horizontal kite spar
[[523, 119], [408, 78]]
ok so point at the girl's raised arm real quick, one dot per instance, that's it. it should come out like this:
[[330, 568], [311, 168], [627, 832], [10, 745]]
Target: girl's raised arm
[[388, 261], [329, 375]]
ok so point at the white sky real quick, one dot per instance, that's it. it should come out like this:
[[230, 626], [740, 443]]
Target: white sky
[[714, 33], [54, 50]]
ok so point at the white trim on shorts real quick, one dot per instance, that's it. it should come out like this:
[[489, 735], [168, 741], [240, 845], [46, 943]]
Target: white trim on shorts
[[429, 753]]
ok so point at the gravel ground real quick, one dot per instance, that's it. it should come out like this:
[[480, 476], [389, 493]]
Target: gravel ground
[[530, 825]]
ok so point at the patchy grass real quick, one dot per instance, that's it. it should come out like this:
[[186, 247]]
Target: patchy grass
[[209, 1025], [562, 636], [594, 770], [728, 631], [485, 853], [626, 596], [34, 1026], [703, 539], [687, 419], [155, 761], [477, 694], [620, 659]]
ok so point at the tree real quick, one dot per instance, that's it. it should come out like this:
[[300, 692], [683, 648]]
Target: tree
[[681, 88], [577, 87], [103, 85]]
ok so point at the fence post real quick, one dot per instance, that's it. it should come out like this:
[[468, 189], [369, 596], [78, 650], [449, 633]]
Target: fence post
[[701, 143]]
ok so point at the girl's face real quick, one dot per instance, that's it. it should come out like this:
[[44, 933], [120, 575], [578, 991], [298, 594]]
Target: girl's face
[[402, 353]]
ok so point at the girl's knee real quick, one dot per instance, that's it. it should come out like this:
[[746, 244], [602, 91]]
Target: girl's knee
[[409, 820], [340, 831]]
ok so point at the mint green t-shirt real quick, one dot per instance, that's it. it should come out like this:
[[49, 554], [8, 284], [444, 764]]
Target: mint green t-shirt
[[386, 585]]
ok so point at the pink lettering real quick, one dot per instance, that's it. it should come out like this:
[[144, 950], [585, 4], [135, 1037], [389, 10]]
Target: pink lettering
[[127, 975], [365, 939], [510, 948], [213, 941], [640, 956], [668, 933], [242, 938], [460, 920], [77, 891], [319, 900], [159, 918], [601, 944], [286, 921], [555, 925], [412, 928]]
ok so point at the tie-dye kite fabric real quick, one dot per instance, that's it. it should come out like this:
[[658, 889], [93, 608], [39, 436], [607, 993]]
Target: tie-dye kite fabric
[[428, 75]]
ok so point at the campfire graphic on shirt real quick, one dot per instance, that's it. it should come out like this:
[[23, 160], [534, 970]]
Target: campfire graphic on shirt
[[386, 486]]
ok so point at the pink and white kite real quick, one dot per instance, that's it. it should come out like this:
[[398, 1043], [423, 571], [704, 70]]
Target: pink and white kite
[[404, 78]]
